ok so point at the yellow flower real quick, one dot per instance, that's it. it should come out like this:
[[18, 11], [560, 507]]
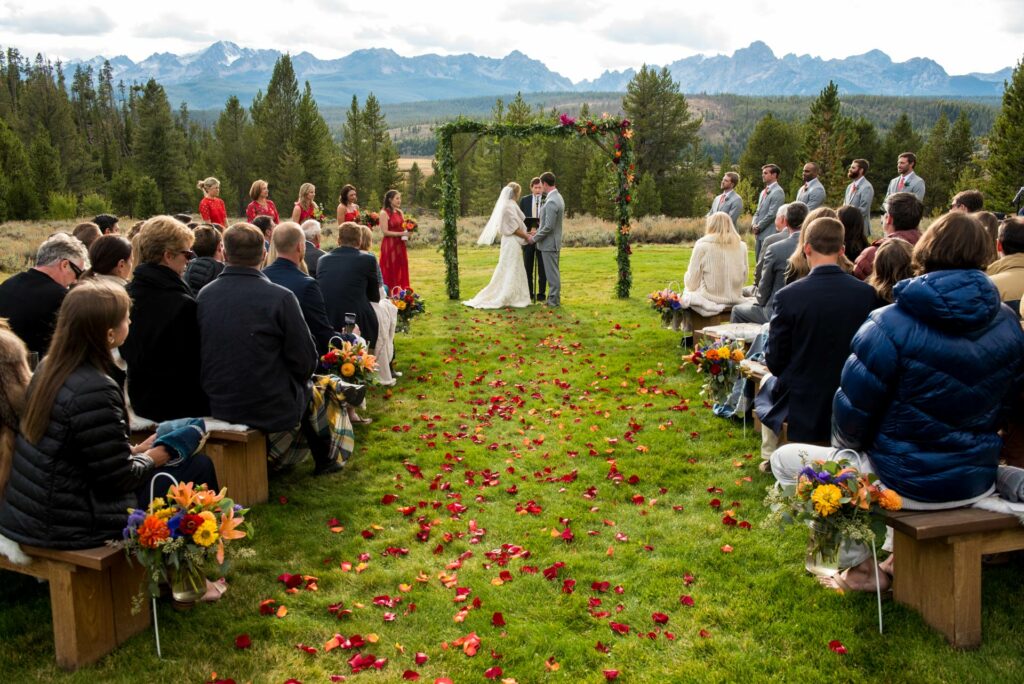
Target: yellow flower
[[890, 500], [348, 370], [207, 534], [400, 305], [157, 504], [737, 355], [826, 499], [724, 353]]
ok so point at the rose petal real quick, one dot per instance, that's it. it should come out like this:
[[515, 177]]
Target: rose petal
[[243, 641], [837, 647]]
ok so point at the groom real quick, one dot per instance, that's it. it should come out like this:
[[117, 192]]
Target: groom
[[548, 237]]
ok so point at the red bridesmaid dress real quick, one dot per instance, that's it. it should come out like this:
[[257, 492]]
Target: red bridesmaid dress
[[351, 216], [394, 259], [305, 213], [212, 210]]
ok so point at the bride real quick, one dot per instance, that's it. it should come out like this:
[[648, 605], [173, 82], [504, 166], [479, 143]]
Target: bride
[[508, 286]]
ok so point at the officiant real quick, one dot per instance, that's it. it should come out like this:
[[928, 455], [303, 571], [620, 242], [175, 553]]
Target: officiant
[[531, 204]]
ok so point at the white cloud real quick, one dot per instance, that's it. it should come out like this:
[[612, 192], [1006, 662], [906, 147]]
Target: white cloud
[[58, 21]]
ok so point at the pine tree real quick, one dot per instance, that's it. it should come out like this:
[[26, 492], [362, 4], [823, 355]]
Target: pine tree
[[232, 152], [932, 166], [18, 200], [382, 174], [1005, 164], [826, 141], [354, 152], [412, 191], [314, 145], [148, 198], [598, 189], [159, 149], [46, 172], [275, 117], [291, 174], [772, 142], [900, 138], [646, 200], [959, 146]]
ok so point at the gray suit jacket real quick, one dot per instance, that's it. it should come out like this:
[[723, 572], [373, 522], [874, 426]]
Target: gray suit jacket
[[913, 183], [733, 206], [549, 236], [768, 242], [767, 206], [812, 193], [861, 198], [773, 272]]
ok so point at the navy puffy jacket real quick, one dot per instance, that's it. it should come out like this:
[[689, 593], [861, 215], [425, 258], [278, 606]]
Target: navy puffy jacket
[[925, 385]]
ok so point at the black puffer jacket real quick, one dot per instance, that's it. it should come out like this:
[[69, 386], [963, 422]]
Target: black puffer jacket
[[73, 489], [201, 271]]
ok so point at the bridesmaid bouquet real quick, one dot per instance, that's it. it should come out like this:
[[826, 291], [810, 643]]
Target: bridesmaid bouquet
[[351, 362], [409, 224], [409, 305], [369, 218], [318, 214]]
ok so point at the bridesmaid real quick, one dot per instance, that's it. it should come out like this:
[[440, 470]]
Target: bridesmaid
[[211, 207], [348, 210], [305, 207], [394, 259], [261, 205]]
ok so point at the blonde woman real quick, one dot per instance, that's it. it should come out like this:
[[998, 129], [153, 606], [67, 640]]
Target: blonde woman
[[798, 267], [387, 317], [305, 207], [211, 207], [717, 270], [508, 286]]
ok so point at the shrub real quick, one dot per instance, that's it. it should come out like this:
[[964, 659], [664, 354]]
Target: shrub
[[95, 204], [148, 201], [63, 205]]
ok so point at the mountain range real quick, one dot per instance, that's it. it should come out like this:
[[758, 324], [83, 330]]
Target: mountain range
[[205, 79]]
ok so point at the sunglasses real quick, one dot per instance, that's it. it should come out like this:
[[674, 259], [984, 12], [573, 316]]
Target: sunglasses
[[189, 254], [74, 269]]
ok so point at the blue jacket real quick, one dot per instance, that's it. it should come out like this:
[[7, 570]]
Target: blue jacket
[[311, 300], [927, 383]]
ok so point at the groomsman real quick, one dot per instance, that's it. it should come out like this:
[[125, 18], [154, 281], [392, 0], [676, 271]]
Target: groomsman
[[859, 192], [729, 202], [535, 278], [812, 192], [907, 181], [771, 198]]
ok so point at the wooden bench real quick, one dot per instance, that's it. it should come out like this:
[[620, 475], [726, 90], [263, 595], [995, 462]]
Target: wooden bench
[[938, 565], [241, 462], [91, 595]]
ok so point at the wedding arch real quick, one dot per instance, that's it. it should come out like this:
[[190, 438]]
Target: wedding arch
[[613, 136]]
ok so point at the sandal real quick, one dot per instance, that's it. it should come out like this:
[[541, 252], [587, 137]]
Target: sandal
[[215, 590], [361, 421]]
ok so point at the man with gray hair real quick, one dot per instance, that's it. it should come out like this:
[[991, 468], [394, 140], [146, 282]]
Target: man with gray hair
[[311, 229], [31, 299]]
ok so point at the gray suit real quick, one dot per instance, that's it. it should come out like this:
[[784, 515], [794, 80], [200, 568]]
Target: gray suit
[[912, 183], [548, 240], [860, 194], [812, 193], [768, 242], [764, 217], [731, 204], [773, 279]]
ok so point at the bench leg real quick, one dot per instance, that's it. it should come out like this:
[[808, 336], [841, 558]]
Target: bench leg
[[942, 582], [128, 582], [242, 466], [83, 623]]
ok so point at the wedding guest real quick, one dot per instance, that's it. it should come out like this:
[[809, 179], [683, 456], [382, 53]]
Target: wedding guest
[[242, 309], [797, 266], [728, 201], [186, 220], [348, 210], [74, 472], [812, 192], [1007, 273], [348, 279], [968, 202], [717, 269], [768, 203], [86, 233], [781, 233], [773, 270], [134, 230], [853, 228], [211, 207], [892, 264], [809, 336], [311, 229], [261, 204], [305, 207], [107, 224], [394, 257], [110, 260], [14, 379], [925, 387], [901, 220], [31, 299], [162, 347], [990, 222], [290, 246], [387, 316], [209, 261]]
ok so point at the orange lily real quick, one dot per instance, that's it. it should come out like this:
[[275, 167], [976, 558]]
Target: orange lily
[[205, 497], [228, 530], [183, 493]]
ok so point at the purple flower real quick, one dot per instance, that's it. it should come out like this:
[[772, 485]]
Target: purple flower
[[174, 525]]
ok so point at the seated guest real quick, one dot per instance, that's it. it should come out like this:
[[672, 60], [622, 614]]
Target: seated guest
[[387, 317], [30, 300], [107, 224], [311, 229], [74, 472], [110, 260], [809, 339], [717, 269], [1008, 272], [967, 202], [242, 310], [86, 233], [134, 230], [901, 220], [209, 261], [773, 269], [797, 266], [892, 264], [14, 378], [926, 385], [266, 225], [990, 222], [348, 279], [853, 226], [162, 349]]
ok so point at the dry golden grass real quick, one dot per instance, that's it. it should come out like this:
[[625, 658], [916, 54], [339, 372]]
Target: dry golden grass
[[405, 163]]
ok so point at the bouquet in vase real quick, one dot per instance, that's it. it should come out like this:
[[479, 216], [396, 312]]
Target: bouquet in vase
[[409, 305], [369, 218], [720, 364], [837, 501], [351, 362], [177, 536], [666, 302]]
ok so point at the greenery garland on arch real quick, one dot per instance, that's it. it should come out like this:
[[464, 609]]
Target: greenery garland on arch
[[621, 155]]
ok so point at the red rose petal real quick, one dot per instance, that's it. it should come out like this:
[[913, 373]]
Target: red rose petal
[[243, 641], [837, 647], [609, 675], [660, 618], [493, 673], [498, 620]]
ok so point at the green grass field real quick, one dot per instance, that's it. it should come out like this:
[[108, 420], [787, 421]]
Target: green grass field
[[497, 410]]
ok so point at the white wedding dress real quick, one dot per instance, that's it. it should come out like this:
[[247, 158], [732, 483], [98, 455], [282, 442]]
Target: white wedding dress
[[508, 286]]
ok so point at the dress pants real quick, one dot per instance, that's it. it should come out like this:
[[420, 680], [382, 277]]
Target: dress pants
[[534, 272], [554, 278]]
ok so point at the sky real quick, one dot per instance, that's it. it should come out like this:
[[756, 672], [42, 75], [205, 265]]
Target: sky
[[579, 39]]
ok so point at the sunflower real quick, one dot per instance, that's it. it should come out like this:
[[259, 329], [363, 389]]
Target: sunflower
[[826, 499], [207, 534]]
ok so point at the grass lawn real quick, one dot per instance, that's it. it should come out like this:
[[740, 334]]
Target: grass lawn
[[497, 410]]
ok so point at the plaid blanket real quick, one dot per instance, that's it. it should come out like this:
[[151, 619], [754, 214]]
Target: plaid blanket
[[330, 418]]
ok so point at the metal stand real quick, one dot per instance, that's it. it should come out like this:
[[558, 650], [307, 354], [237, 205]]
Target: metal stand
[[878, 587], [156, 623]]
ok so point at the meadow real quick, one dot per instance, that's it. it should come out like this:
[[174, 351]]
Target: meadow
[[551, 482]]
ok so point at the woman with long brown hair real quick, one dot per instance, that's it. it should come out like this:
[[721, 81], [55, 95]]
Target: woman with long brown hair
[[394, 258]]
